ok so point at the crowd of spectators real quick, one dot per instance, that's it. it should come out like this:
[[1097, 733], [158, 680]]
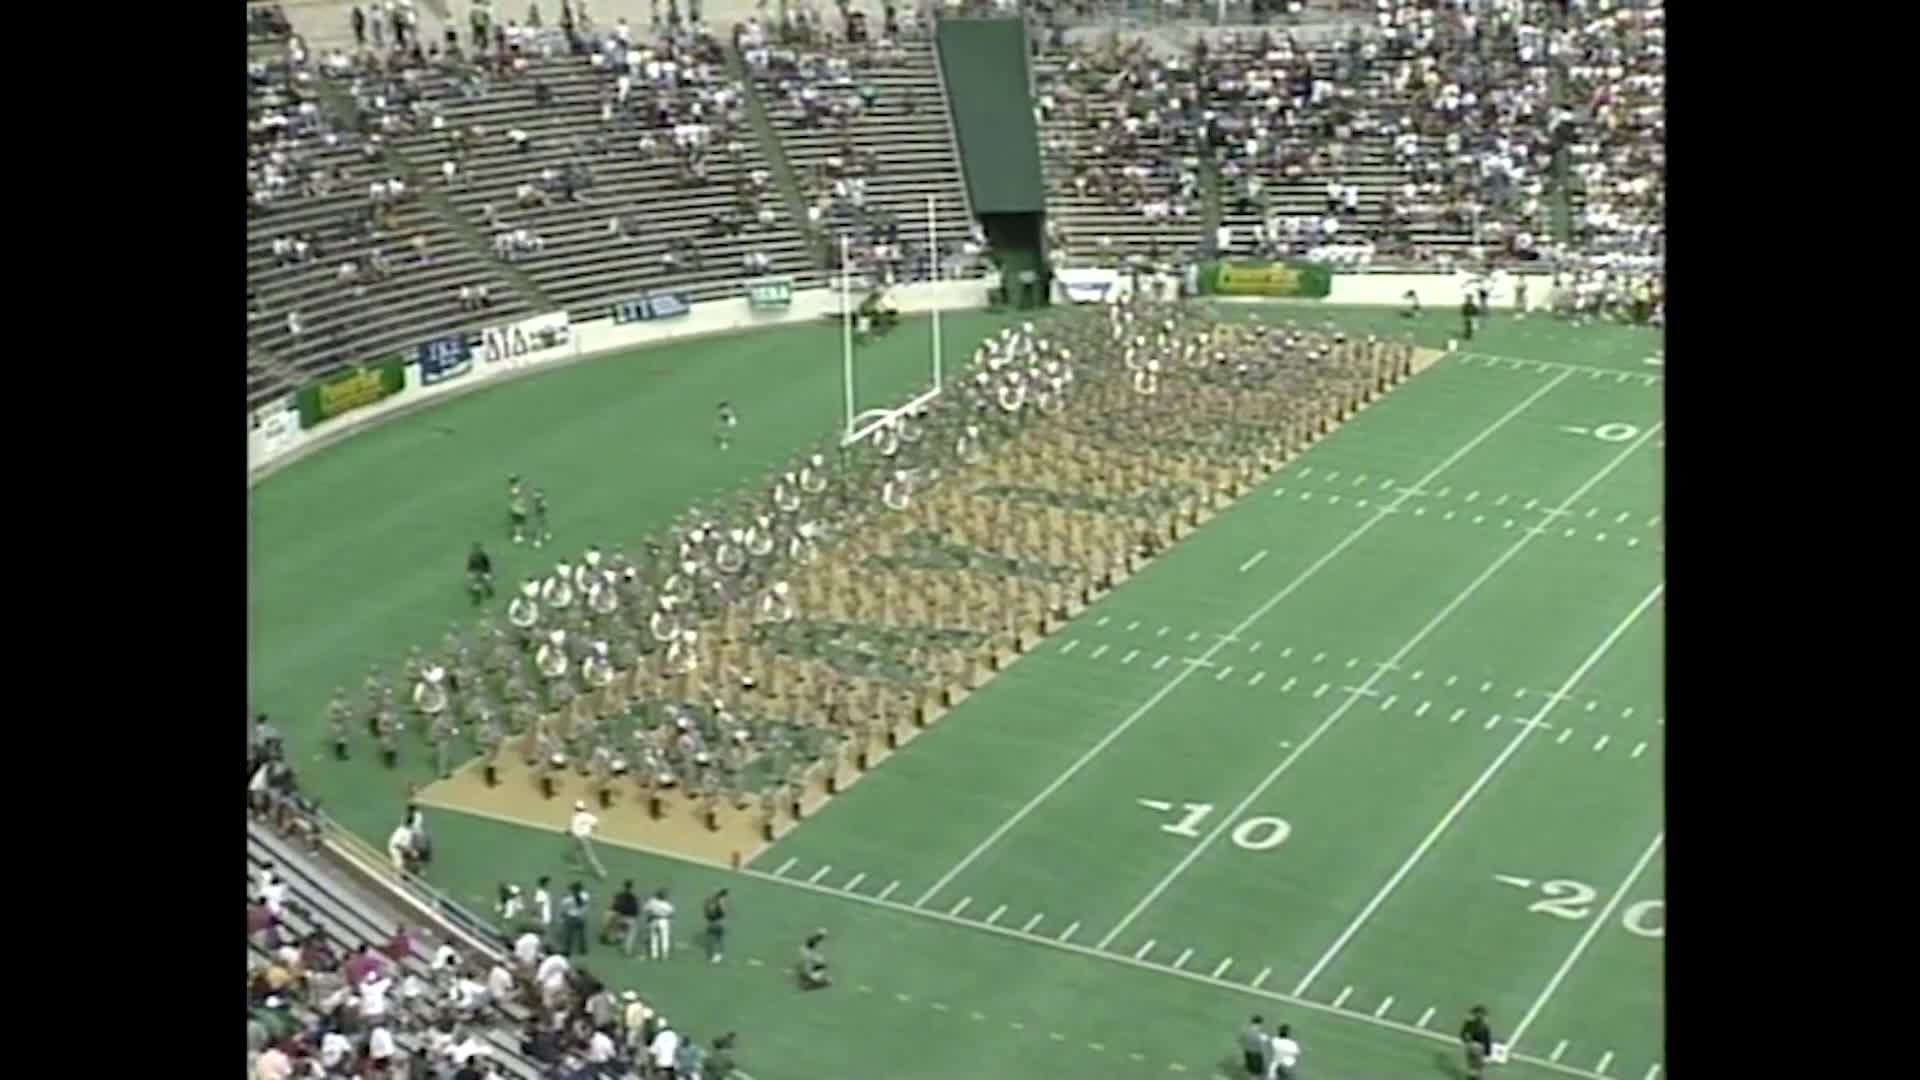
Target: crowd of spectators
[[1441, 133], [326, 1003]]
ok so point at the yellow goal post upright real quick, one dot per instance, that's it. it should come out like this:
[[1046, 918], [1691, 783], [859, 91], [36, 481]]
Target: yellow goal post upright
[[863, 423]]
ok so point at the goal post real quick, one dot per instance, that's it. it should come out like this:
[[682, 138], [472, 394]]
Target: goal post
[[862, 423]]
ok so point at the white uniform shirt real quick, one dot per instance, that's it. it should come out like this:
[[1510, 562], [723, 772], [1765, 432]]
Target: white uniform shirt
[[656, 908], [553, 967], [543, 904], [666, 1046], [527, 949], [1282, 1054], [582, 824]]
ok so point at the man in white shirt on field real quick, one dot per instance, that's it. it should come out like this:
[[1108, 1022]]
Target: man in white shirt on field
[[658, 914], [665, 1047], [1283, 1054], [580, 837]]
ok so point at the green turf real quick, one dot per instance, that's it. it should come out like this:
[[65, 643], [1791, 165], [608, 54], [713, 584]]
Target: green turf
[[356, 556]]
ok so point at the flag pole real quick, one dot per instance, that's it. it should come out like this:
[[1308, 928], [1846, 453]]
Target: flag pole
[[846, 327], [933, 254]]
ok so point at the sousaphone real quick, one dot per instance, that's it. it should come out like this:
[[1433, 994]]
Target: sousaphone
[[430, 693], [524, 610], [551, 658]]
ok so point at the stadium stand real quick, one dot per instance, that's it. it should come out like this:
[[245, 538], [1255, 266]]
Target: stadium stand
[[864, 125], [337, 983], [343, 260], [605, 164]]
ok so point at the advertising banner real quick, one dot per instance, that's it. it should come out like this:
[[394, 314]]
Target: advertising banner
[[1091, 285], [349, 390], [277, 431], [653, 305], [1250, 278], [529, 341], [770, 293], [445, 358]]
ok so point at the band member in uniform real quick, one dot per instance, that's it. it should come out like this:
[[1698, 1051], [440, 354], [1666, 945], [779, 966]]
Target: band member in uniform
[[479, 575], [716, 913], [724, 423], [339, 715], [516, 510], [541, 535]]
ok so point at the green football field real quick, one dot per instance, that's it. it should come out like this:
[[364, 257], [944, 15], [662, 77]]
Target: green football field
[[1381, 742]]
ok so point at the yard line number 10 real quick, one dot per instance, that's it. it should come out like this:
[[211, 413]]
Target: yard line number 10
[[1252, 834]]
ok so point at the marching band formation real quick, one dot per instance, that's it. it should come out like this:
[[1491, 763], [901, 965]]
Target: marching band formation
[[730, 655]]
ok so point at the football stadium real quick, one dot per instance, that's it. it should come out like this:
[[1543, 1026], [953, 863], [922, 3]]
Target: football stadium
[[969, 540]]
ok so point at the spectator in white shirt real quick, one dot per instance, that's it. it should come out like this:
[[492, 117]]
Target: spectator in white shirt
[[666, 1046]]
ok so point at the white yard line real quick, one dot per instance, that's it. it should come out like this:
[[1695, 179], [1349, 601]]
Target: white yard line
[[1253, 562], [855, 883], [1557, 365], [1033, 922], [820, 873], [1067, 775], [888, 891], [1479, 783], [1253, 988], [1333, 718], [1594, 925]]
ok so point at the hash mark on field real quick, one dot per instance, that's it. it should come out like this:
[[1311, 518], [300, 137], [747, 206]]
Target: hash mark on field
[[1471, 495], [1417, 674], [997, 912], [1451, 679], [1319, 656], [954, 912], [1426, 1016], [1224, 672], [1279, 493], [1306, 470], [1145, 949], [1097, 1047], [1353, 662], [1653, 1073], [818, 874], [1388, 704], [1501, 501], [902, 999], [1286, 652], [1031, 923], [1182, 962], [1520, 693], [1255, 647], [1068, 932], [1419, 511], [1160, 663], [1222, 969], [1384, 1006], [1445, 491], [1564, 736], [1322, 690], [1507, 524], [1486, 686], [1288, 685], [1132, 626], [1103, 620], [1195, 636], [1334, 499], [1361, 502], [1623, 516], [1448, 516], [1592, 510], [1606, 1059], [855, 883], [1602, 744], [976, 1016], [1557, 1051], [1099, 652], [1131, 653], [1592, 705], [888, 891], [1600, 537], [1334, 475], [1257, 676], [1342, 999], [1306, 496], [1387, 483], [1479, 518], [1633, 541], [1457, 714], [939, 1006], [1626, 712], [1261, 978], [1162, 632], [785, 866], [1493, 721], [1639, 748], [1361, 479], [1422, 710], [1253, 562], [1569, 532], [1531, 503], [1070, 646]]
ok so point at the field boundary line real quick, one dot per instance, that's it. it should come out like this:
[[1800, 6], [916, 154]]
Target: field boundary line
[[1354, 694], [1563, 365], [1604, 918], [1088, 951], [1220, 643], [1479, 784]]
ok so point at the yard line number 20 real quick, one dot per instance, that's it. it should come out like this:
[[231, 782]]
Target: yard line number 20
[[1573, 901], [1254, 834]]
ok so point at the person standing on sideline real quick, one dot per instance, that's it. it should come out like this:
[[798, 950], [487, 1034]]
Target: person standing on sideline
[[543, 908], [659, 916], [623, 919], [813, 962], [1253, 1047], [580, 837], [400, 847], [1467, 312], [716, 926], [359, 27], [573, 920], [1283, 1054], [1519, 296], [1476, 1037]]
